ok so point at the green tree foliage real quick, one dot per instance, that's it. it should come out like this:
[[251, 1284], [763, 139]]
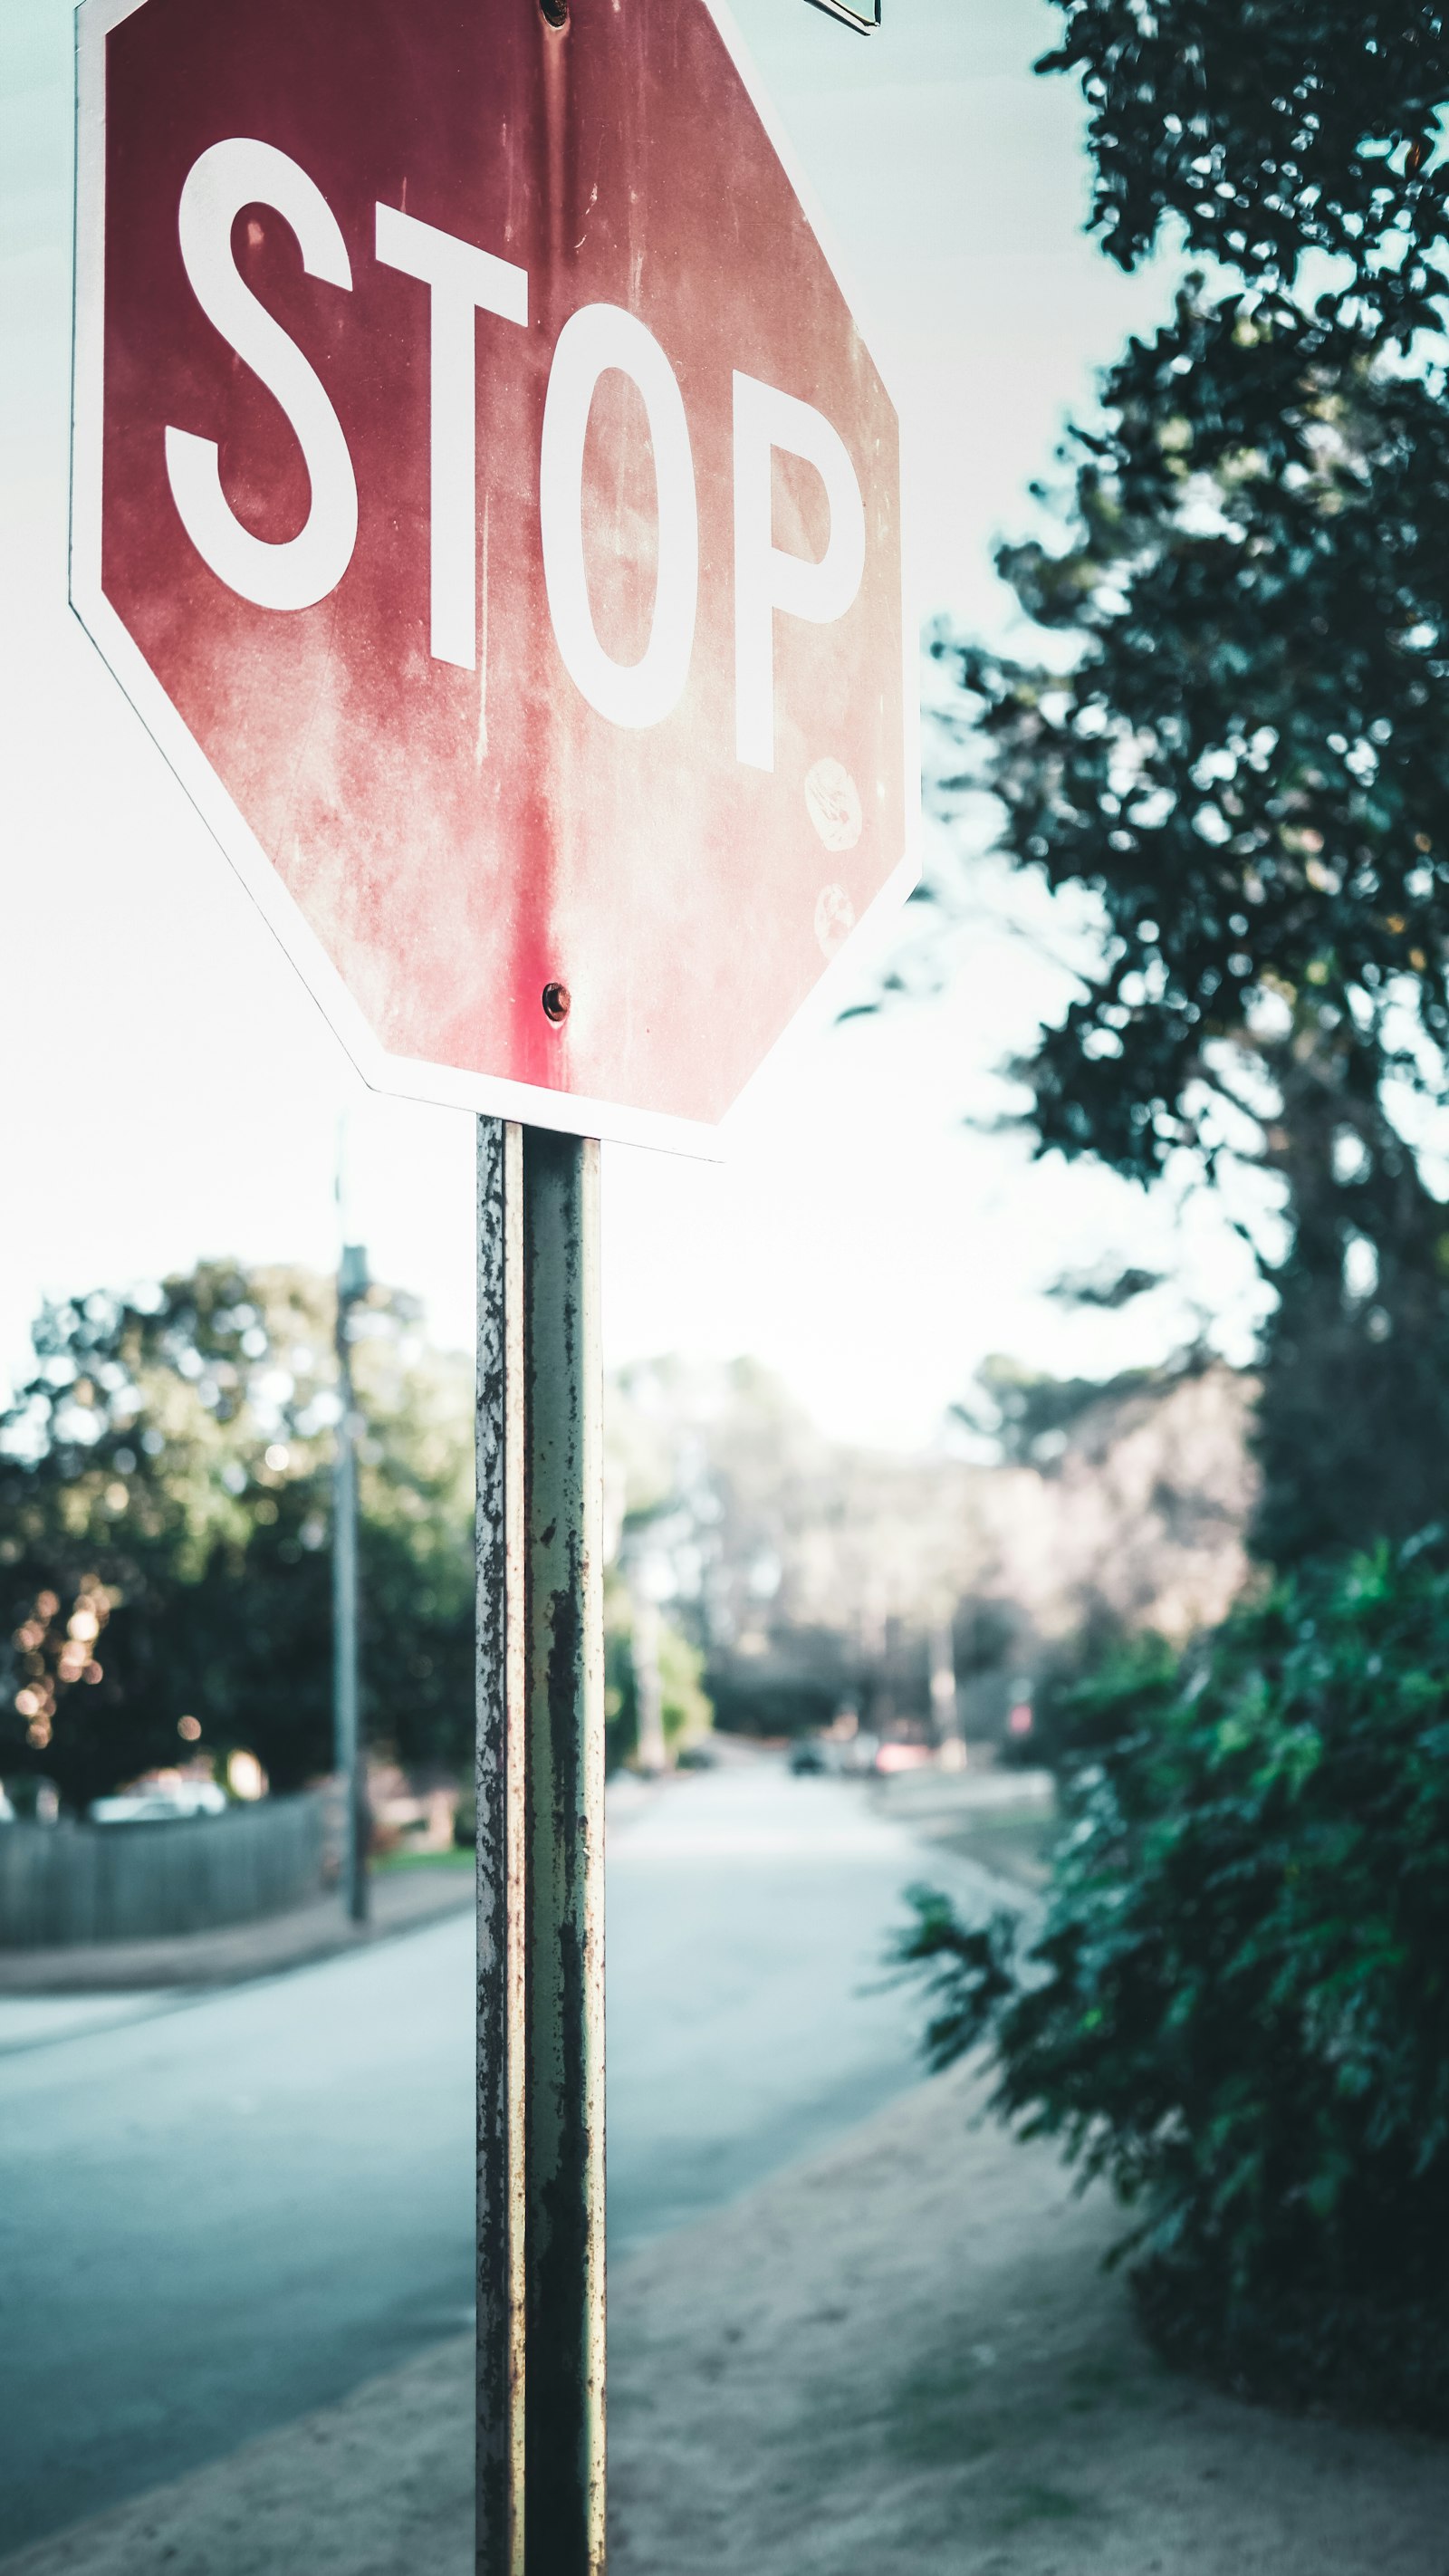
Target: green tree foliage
[[165, 1500], [1271, 129], [1245, 762], [1352, 1428], [1236, 2005], [1233, 741]]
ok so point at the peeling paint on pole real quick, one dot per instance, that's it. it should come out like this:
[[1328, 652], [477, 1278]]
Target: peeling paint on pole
[[564, 1395], [499, 1787], [540, 1785]]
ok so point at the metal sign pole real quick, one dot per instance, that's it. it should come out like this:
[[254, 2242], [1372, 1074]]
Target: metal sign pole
[[499, 1786], [540, 1785], [346, 1720]]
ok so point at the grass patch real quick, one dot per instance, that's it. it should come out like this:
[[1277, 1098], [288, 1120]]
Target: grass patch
[[1014, 1845], [388, 1862]]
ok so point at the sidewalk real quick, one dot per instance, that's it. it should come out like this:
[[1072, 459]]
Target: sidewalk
[[400, 1899], [1001, 1819], [901, 2359]]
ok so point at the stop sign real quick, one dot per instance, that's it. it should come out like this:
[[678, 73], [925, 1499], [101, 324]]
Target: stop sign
[[483, 490]]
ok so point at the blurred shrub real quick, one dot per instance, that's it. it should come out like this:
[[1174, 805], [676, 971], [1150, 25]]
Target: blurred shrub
[[1235, 2005], [685, 1707], [770, 1700]]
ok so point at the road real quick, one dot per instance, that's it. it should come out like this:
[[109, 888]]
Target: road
[[217, 2213]]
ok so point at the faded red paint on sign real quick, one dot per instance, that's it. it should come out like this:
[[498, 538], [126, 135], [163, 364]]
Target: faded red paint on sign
[[457, 838]]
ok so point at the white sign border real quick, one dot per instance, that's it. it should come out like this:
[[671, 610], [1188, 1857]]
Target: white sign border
[[410, 1078]]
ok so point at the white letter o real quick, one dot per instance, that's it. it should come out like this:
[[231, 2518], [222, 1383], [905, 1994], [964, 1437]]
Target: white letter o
[[597, 337]]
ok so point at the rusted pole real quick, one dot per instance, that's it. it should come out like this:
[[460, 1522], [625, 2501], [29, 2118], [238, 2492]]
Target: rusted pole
[[540, 1779], [499, 1787], [562, 1374]]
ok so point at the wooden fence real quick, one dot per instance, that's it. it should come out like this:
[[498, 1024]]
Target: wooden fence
[[67, 1883]]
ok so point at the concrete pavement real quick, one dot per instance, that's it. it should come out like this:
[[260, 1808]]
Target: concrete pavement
[[217, 2217], [399, 1900], [901, 2358]]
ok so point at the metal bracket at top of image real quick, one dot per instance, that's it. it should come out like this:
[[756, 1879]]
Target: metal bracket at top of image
[[865, 21]]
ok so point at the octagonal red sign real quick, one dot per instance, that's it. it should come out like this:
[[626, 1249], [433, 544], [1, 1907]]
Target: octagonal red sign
[[483, 490]]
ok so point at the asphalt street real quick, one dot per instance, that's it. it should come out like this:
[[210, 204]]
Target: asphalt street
[[219, 2212]]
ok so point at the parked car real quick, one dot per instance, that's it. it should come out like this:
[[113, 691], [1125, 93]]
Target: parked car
[[159, 1802], [807, 1757]]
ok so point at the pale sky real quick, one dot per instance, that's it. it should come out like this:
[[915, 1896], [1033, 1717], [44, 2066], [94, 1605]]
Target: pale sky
[[169, 1089]]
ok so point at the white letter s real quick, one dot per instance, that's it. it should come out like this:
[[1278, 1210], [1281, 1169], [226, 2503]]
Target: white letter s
[[299, 571]]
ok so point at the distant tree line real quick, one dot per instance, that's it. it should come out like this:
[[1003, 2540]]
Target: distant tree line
[[165, 1518]]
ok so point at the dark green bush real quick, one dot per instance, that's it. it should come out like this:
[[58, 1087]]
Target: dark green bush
[[1235, 2003]]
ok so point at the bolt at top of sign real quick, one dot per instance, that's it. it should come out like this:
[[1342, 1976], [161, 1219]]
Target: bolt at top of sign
[[484, 491]]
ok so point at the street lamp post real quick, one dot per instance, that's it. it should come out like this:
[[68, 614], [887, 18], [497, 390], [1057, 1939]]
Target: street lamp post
[[347, 1730]]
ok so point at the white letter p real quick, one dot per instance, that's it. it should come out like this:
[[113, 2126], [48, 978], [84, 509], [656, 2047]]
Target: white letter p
[[766, 578]]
